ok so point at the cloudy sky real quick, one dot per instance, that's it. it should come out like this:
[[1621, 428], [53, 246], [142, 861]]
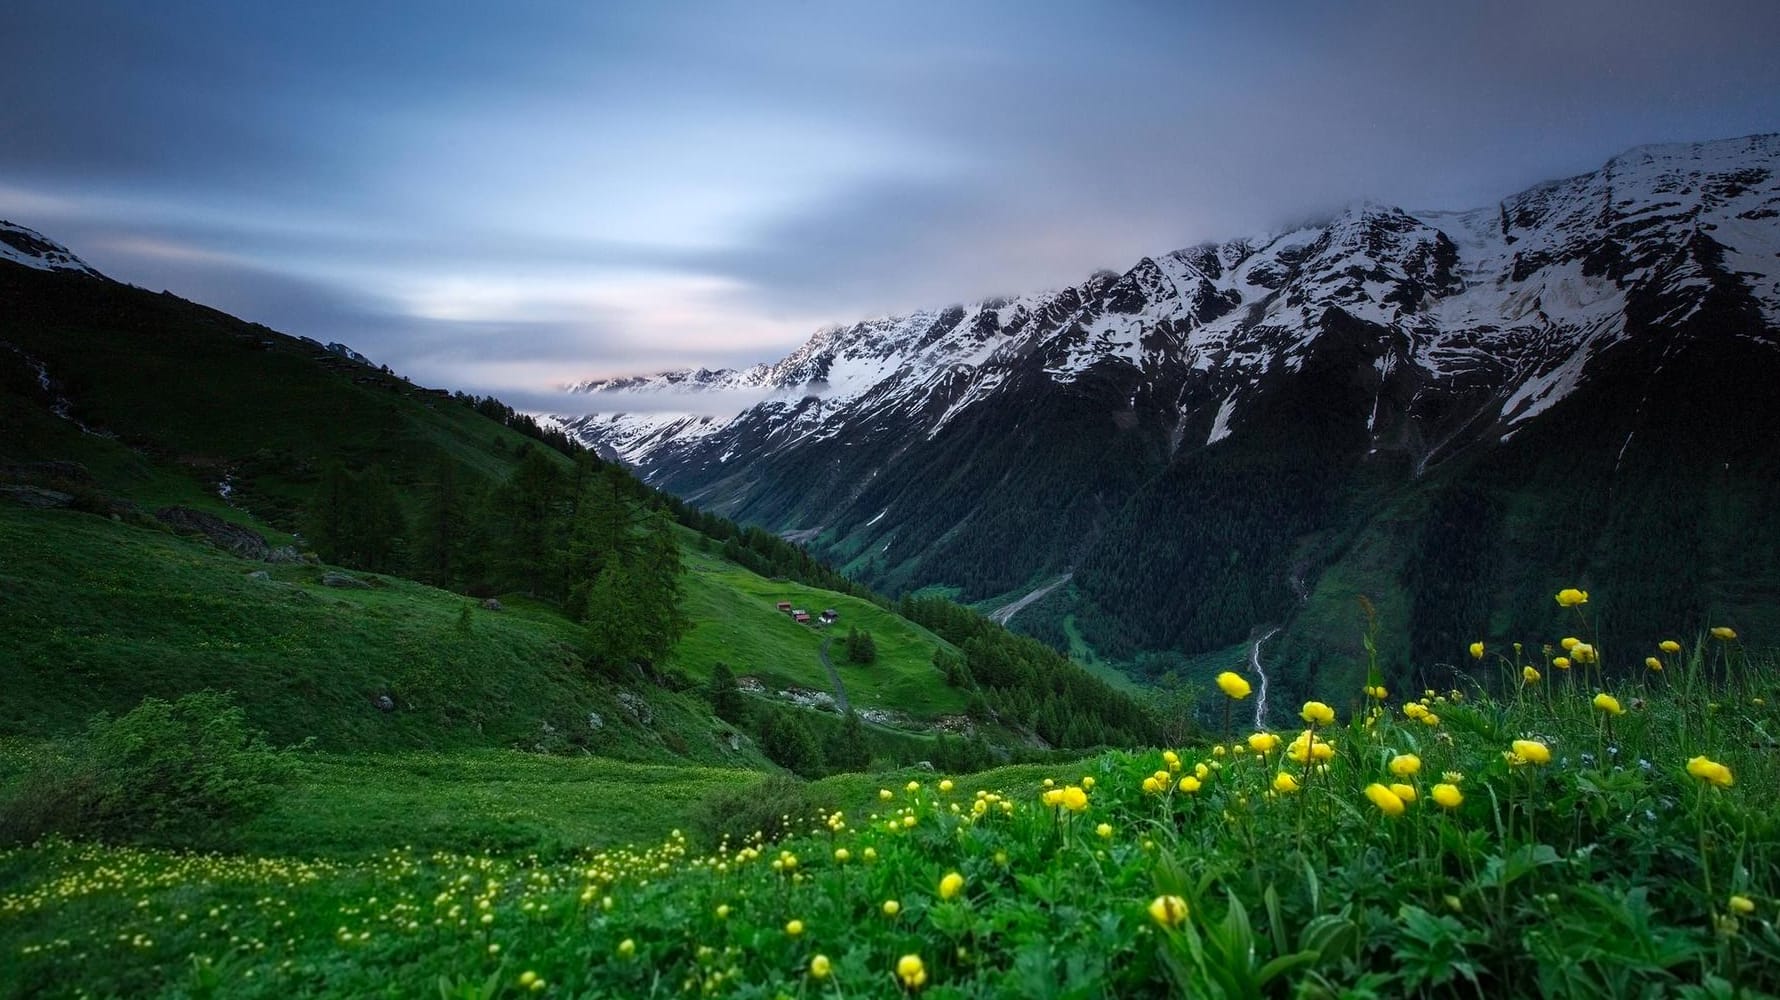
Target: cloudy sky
[[503, 197]]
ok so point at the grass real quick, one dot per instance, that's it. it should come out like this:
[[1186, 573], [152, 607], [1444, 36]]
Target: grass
[[737, 623], [98, 615], [1426, 859], [355, 805]]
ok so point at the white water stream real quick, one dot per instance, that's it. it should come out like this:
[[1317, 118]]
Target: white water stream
[[1254, 662]]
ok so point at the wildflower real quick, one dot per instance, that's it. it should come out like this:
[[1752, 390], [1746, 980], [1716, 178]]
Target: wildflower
[[1217, 751], [1405, 765], [1317, 714], [1284, 783], [1448, 796], [912, 787], [912, 971], [1385, 799], [1104, 830], [842, 855], [946, 785], [1074, 799], [1569, 642], [627, 948], [1376, 692], [1151, 786], [871, 854], [1710, 771], [794, 927], [950, 885], [1430, 720], [1724, 633], [1051, 797], [1582, 652], [1168, 911], [723, 911], [1263, 742], [1530, 752], [1669, 646], [1608, 704], [1452, 777], [1653, 663], [1088, 782], [1477, 651], [892, 907], [527, 978], [1405, 792], [1528, 674], [1570, 597], [820, 967], [1415, 710], [886, 794], [1201, 772], [1233, 685], [1189, 784], [1562, 663], [1742, 905]]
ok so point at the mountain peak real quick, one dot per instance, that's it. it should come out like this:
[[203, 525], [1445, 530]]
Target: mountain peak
[[34, 250]]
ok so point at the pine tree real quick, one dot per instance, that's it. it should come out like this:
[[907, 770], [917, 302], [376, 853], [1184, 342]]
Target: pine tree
[[726, 698]]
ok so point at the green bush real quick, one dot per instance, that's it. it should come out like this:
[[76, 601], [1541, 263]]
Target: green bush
[[184, 772], [740, 813]]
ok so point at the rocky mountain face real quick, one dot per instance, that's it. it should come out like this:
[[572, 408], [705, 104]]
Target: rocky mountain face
[[34, 250], [1257, 431]]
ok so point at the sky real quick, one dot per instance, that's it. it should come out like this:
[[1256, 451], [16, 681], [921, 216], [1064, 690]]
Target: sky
[[508, 197]]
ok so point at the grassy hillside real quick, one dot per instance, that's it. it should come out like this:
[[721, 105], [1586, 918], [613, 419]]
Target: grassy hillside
[[736, 622]]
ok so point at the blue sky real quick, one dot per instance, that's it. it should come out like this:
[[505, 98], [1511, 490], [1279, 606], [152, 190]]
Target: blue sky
[[506, 197]]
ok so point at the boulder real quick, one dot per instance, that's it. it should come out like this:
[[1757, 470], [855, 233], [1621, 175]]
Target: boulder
[[259, 576], [492, 605], [284, 554], [32, 496], [334, 578], [232, 538], [384, 703]]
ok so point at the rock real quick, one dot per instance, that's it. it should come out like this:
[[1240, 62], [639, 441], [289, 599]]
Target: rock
[[232, 538], [924, 765], [259, 575], [637, 707], [284, 554], [333, 578], [595, 722], [492, 605], [31, 496], [57, 472], [385, 703], [735, 742]]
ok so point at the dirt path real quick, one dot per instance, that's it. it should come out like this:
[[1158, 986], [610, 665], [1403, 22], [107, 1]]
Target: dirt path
[[1005, 613], [834, 676]]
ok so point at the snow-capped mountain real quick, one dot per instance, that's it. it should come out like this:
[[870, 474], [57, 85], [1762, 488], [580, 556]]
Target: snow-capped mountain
[[1507, 302], [34, 250], [987, 445]]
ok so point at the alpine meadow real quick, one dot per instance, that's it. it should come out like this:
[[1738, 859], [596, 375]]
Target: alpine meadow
[[649, 501]]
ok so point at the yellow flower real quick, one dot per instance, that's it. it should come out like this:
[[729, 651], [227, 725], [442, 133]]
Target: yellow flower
[[1531, 752], [1430, 720], [1405, 765], [1104, 830], [820, 967], [1233, 684], [627, 948], [1284, 783], [1528, 674], [794, 927], [892, 907], [946, 785], [1448, 796], [1570, 597], [1385, 799], [1710, 771], [886, 794], [1669, 646], [912, 787], [1608, 704], [1742, 906], [1088, 782], [1074, 799], [1570, 642], [1317, 714], [1724, 633], [1377, 692], [1052, 797], [1263, 742], [1562, 663], [1151, 786], [1653, 663], [1405, 792], [912, 971], [1201, 772], [1477, 651], [1189, 784], [723, 911], [1168, 911], [1582, 652], [950, 885], [1415, 710], [527, 978]]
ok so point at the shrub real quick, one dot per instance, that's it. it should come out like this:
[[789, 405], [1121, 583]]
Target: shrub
[[183, 772], [741, 811]]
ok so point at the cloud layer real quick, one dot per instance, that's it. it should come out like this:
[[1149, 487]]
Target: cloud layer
[[508, 199]]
